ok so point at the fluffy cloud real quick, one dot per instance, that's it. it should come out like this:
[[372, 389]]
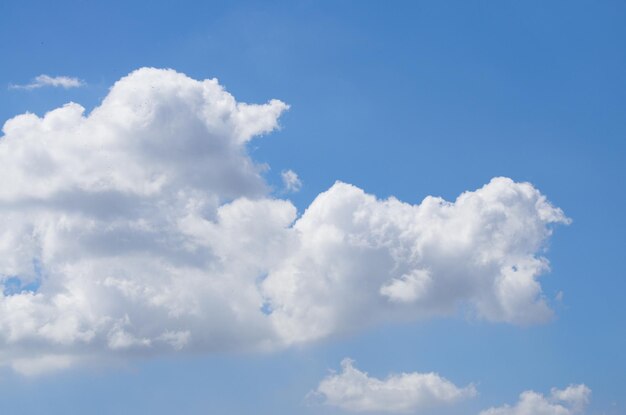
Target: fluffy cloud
[[357, 260], [569, 401], [54, 81], [354, 390], [145, 227]]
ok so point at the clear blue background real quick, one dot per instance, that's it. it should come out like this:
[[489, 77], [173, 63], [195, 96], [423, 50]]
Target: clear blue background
[[400, 98]]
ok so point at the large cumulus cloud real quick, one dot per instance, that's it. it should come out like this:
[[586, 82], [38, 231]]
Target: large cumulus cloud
[[145, 227]]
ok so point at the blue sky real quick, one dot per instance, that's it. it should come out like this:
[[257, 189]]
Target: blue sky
[[403, 99]]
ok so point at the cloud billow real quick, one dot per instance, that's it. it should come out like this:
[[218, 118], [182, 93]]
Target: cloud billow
[[145, 227]]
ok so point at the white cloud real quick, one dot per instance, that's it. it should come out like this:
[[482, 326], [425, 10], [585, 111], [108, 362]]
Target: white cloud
[[53, 81], [356, 260], [145, 227], [569, 401], [291, 181], [354, 390]]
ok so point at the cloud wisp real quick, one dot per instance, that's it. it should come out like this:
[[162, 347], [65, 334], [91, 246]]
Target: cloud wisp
[[51, 81], [291, 181], [354, 390], [145, 227], [569, 401]]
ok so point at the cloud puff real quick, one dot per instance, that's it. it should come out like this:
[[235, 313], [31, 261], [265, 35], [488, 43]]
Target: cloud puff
[[145, 227], [357, 260], [53, 81], [291, 181], [354, 390], [569, 401]]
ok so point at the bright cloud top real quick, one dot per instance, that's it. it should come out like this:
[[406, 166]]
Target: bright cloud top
[[569, 401], [354, 390], [53, 81], [145, 227]]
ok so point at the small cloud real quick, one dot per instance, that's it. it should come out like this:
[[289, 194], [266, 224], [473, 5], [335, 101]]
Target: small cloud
[[54, 81], [291, 181], [569, 401], [354, 390]]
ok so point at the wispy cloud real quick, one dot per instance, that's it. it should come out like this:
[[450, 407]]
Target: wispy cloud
[[569, 401], [291, 181], [54, 81]]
